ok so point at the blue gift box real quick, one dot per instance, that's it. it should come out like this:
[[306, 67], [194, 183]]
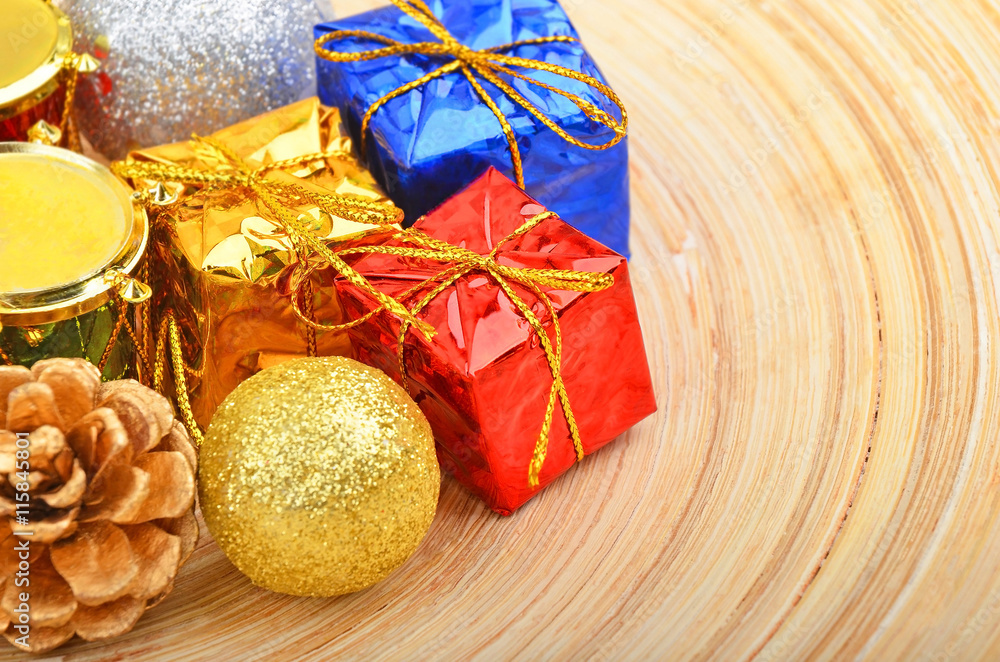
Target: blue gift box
[[430, 142]]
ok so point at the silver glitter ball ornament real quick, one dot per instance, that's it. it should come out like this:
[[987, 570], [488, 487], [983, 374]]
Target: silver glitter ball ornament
[[170, 68]]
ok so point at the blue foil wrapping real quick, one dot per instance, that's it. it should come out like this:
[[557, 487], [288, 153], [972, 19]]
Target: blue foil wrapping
[[428, 144]]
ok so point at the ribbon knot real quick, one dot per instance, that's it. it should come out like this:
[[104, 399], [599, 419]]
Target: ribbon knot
[[487, 64], [250, 179]]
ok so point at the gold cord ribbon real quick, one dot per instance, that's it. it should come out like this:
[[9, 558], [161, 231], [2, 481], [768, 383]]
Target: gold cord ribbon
[[72, 66], [462, 261], [488, 64], [168, 339], [276, 197]]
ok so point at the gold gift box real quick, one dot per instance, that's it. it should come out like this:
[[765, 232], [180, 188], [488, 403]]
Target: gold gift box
[[225, 268]]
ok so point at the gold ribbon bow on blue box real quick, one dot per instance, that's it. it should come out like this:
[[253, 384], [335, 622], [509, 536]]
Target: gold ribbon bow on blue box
[[438, 92]]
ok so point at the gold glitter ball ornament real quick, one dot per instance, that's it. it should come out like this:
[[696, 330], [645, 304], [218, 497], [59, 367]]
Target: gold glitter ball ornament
[[318, 477]]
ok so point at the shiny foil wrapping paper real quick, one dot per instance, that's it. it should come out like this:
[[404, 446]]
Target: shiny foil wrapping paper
[[483, 381], [223, 268], [428, 144]]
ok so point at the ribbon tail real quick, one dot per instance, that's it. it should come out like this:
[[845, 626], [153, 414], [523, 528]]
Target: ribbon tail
[[308, 158], [458, 272], [160, 356], [419, 11], [168, 341], [312, 324], [542, 443], [508, 130], [558, 279], [589, 109], [527, 227], [595, 113], [557, 378], [180, 384], [554, 357], [73, 66]]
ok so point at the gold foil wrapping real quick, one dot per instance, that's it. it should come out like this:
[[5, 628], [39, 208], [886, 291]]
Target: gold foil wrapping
[[225, 270]]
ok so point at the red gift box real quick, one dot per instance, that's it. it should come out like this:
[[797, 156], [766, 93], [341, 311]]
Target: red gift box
[[484, 380]]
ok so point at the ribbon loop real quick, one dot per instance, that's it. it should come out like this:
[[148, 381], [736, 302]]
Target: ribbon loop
[[487, 64]]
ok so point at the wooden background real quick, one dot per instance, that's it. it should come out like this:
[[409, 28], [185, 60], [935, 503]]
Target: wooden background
[[816, 263]]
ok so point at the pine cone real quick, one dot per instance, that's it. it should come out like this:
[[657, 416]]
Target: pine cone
[[111, 486]]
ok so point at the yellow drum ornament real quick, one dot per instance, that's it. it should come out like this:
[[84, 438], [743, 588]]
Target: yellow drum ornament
[[72, 239]]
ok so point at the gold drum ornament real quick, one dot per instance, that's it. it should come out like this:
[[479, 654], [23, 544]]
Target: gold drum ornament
[[72, 241], [38, 75]]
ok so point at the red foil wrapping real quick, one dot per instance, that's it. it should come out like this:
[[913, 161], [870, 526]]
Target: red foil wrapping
[[483, 381], [50, 109]]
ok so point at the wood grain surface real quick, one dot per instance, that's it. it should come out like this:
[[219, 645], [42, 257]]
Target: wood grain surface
[[816, 261]]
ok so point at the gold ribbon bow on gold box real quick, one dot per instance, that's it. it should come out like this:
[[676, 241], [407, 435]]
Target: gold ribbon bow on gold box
[[238, 218]]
